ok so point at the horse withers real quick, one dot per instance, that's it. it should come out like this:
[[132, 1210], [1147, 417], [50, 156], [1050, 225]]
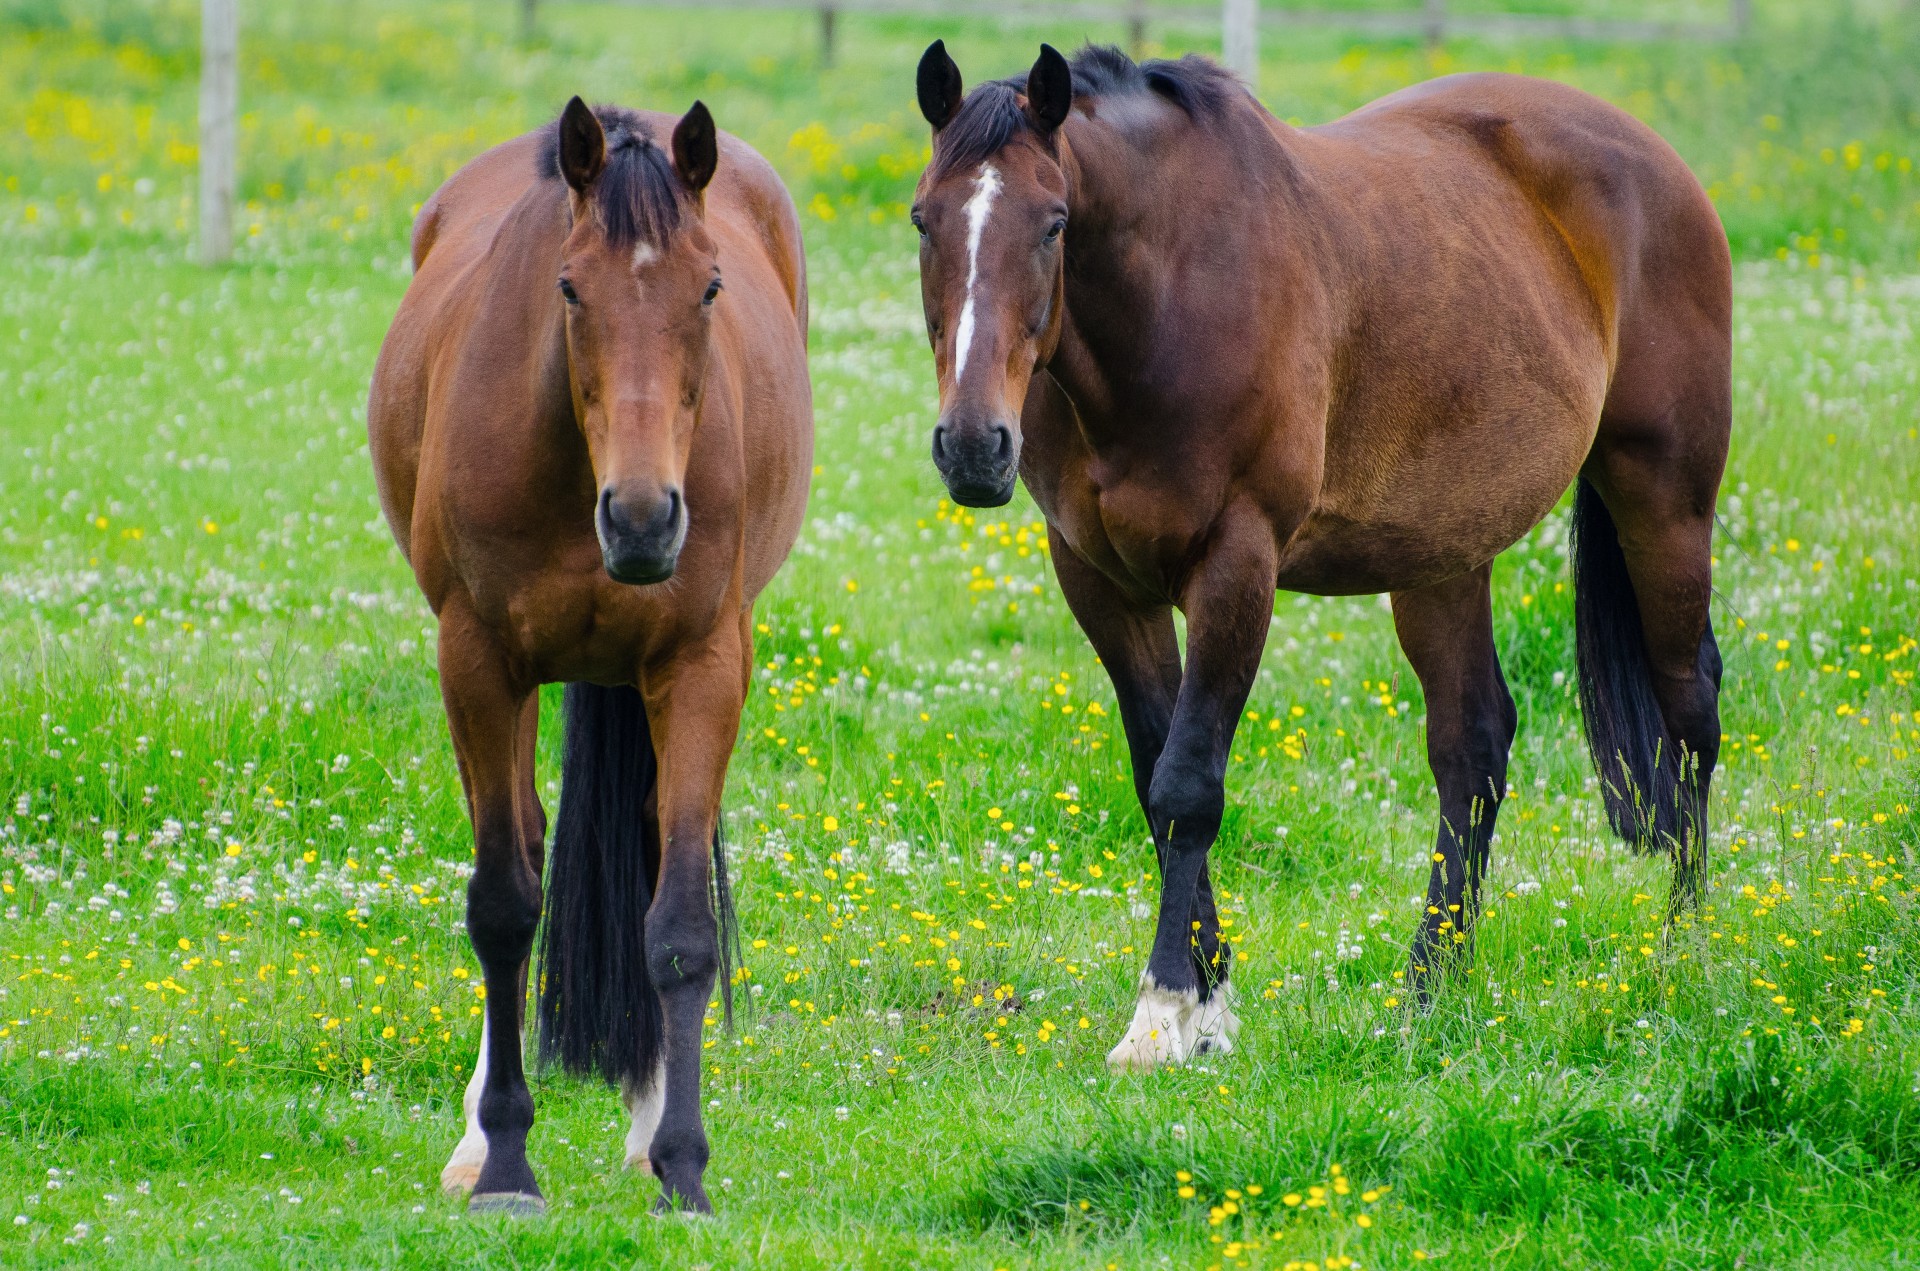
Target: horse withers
[[1228, 355], [593, 432]]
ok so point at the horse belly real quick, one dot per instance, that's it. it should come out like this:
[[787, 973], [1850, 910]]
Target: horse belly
[[1434, 517]]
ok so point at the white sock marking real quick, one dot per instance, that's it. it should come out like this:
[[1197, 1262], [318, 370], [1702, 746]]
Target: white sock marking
[[644, 1107], [985, 189], [463, 1167]]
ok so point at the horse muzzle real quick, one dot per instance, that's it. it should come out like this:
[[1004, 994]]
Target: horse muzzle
[[978, 458], [640, 536]]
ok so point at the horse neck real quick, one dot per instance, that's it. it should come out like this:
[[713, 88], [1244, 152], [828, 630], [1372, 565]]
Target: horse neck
[[1137, 307], [528, 245]]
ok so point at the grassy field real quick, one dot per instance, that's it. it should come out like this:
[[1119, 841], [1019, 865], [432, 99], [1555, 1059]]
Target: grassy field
[[237, 1007]]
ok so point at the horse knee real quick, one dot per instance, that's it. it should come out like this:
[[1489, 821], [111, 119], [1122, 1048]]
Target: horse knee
[[1186, 797], [503, 911], [683, 949]]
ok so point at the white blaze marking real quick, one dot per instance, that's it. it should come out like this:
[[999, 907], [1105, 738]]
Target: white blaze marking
[[644, 254], [985, 188]]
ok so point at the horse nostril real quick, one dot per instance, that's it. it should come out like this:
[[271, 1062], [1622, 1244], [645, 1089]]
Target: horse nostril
[[939, 442], [1005, 448], [673, 508]]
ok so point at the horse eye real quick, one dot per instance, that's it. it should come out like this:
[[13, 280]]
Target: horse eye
[[919, 224], [566, 289], [713, 289], [1053, 230]]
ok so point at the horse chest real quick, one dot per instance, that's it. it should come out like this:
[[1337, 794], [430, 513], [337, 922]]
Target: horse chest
[[1128, 530]]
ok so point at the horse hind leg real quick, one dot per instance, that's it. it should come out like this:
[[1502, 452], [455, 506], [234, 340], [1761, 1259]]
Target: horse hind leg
[[1447, 633], [1662, 545]]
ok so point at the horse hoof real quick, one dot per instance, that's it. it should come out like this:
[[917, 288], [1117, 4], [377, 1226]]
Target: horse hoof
[[512, 1204], [642, 1163], [456, 1180], [1161, 1033], [683, 1204]]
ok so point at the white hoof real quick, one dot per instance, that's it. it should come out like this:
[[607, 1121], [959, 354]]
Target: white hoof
[[1214, 1023], [1162, 1030], [463, 1167], [644, 1106]]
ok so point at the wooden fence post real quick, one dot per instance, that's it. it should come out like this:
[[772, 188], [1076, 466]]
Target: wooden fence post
[[1435, 12], [219, 123], [828, 23], [1240, 39], [1740, 13], [1137, 28], [529, 20]]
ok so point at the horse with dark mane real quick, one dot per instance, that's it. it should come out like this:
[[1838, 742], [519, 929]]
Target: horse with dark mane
[[595, 458], [1227, 356]]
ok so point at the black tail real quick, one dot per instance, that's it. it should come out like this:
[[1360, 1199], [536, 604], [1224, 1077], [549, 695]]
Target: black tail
[[1641, 779], [598, 1009]]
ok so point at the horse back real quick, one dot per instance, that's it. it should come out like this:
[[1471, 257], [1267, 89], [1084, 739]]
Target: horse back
[[1631, 216]]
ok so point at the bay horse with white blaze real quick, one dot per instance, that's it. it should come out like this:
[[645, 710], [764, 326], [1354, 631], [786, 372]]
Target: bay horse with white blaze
[[594, 458], [1227, 356]]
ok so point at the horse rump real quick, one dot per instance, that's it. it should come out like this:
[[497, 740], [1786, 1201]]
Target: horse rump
[[1646, 780]]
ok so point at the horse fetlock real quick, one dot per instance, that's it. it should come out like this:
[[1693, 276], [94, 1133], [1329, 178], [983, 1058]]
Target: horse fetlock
[[506, 1112], [679, 1158], [1163, 1029]]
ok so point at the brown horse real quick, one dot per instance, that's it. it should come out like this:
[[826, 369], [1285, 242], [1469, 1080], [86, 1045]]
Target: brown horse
[[594, 459], [1228, 355]]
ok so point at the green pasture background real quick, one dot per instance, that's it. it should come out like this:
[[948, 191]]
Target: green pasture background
[[236, 1006]]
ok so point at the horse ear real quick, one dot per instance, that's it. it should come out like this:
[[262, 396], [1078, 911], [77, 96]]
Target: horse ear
[[583, 145], [696, 147], [938, 84], [1049, 89]]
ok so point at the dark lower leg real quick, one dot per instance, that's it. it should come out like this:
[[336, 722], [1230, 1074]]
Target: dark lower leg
[[1447, 633], [485, 714], [683, 953], [695, 705]]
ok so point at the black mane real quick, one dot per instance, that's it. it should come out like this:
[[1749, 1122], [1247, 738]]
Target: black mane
[[992, 116], [637, 194]]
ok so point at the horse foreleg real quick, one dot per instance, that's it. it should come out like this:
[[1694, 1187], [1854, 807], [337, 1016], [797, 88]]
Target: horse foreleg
[[1186, 1002], [695, 703], [1447, 633], [485, 713]]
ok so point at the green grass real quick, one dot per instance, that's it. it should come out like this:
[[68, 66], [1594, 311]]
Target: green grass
[[233, 846]]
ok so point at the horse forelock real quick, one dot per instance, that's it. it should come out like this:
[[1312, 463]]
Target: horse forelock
[[636, 197], [991, 117]]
